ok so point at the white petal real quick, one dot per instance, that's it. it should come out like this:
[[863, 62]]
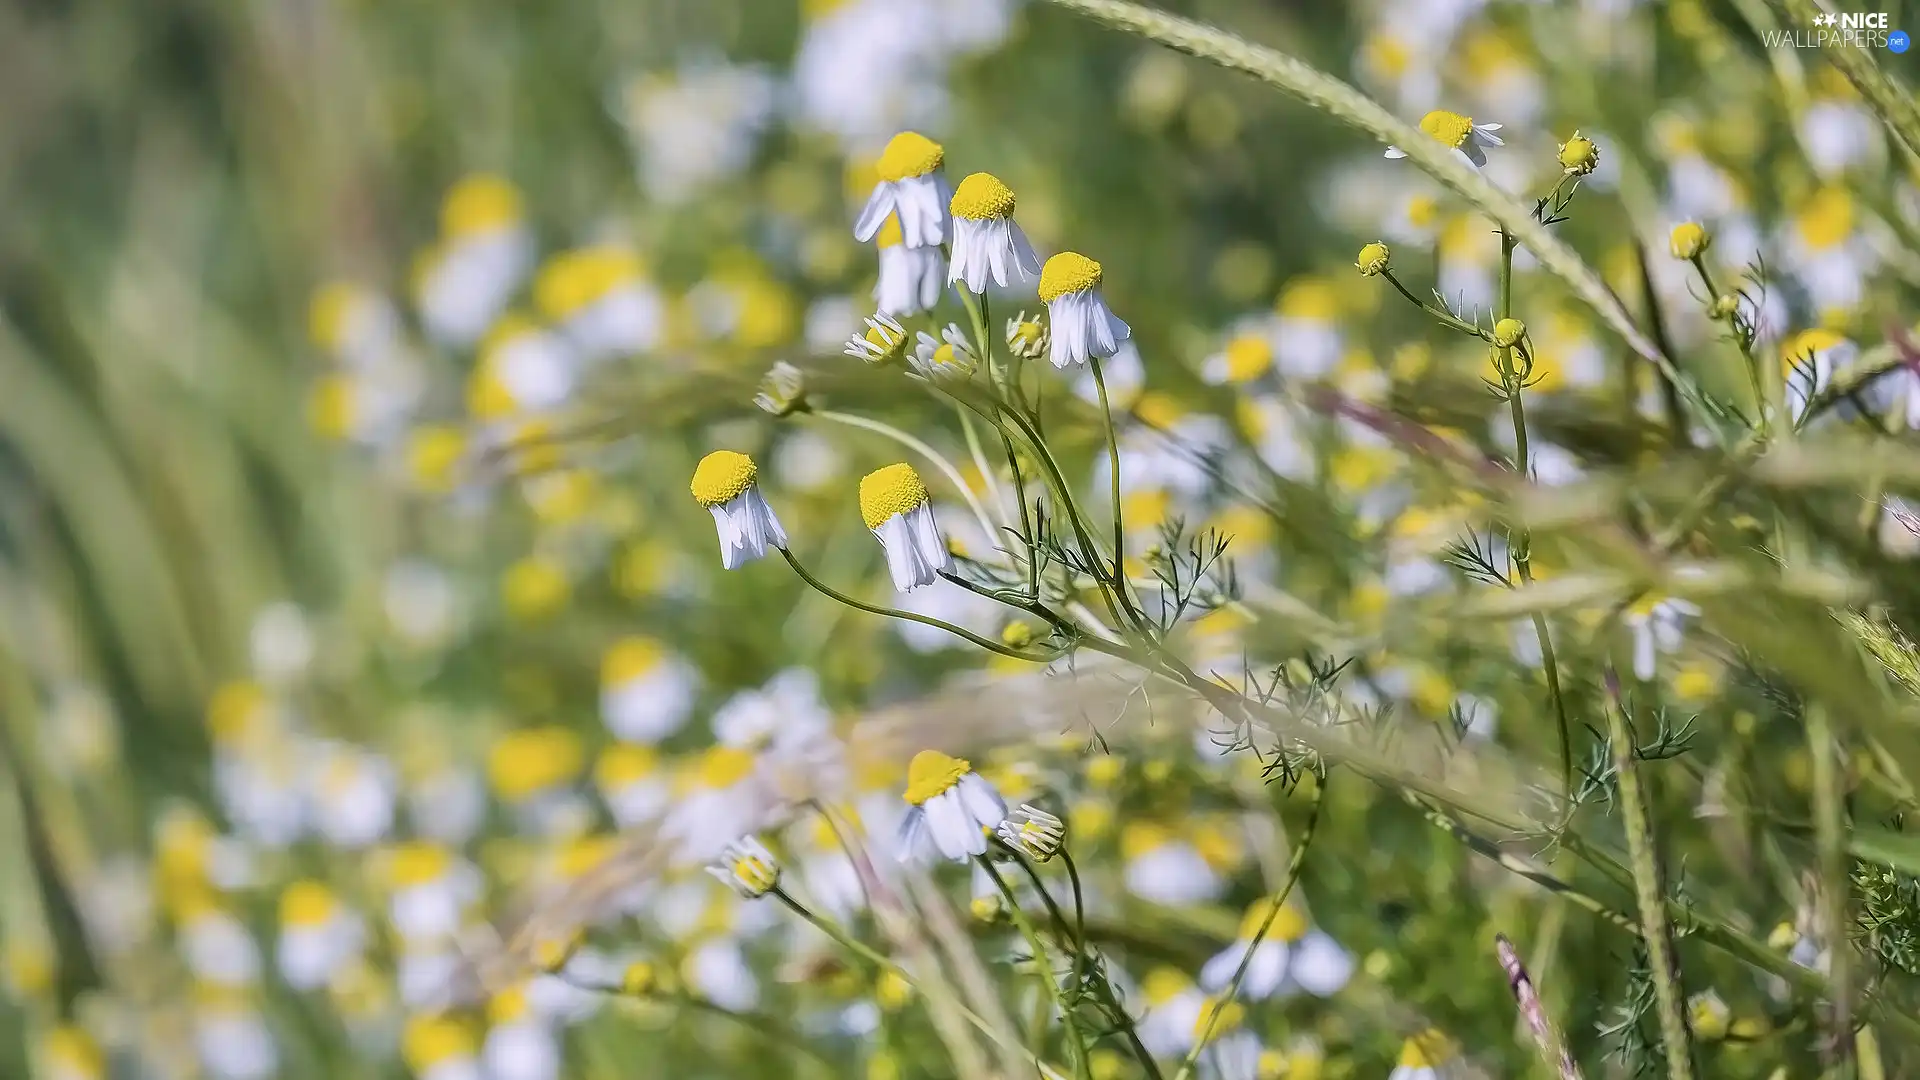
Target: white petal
[[1395, 152], [874, 214]]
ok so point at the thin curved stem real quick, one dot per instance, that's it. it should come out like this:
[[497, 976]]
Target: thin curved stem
[[1076, 1044], [1116, 604], [1446, 318], [939, 462], [975, 451], [1113, 468], [1105, 989], [1294, 866], [911, 616]]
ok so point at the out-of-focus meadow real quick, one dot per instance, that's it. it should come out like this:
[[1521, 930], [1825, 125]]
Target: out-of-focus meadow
[[1504, 670]]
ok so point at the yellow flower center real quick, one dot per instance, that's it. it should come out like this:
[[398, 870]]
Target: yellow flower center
[[629, 658], [755, 873], [639, 978], [573, 279], [933, 773], [1230, 1015], [722, 477], [430, 1040], [327, 314], [524, 763], [1802, 347], [1068, 272], [895, 489], [534, 587], [235, 708], [433, 455], [478, 203], [330, 408], [982, 197], [1162, 985], [1288, 924], [946, 355], [1425, 1050], [74, 1050], [1248, 357], [723, 766], [576, 858], [1310, 298], [413, 864], [622, 764], [910, 154], [306, 904], [883, 339], [1422, 211], [1827, 219], [1448, 127], [507, 1006]]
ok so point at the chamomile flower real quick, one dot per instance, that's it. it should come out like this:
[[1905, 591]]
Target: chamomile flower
[[520, 1044], [319, 936], [1164, 867], [232, 1036], [1079, 322], [69, 1053], [883, 340], [431, 890], [894, 504], [1290, 956], [724, 484], [1656, 623], [215, 944], [913, 187], [946, 357], [1232, 1052], [1459, 134], [1173, 1006], [1034, 833], [987, 243], [1422, 1056], [599, 298], [437, 1047], [353, 796], [952, 810], [646, 692], [746, 867], [485, 248], [911, 278], [724, 793]]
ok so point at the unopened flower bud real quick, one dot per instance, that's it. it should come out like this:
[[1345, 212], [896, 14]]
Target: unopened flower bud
[[1016, 635], [1689, 240], [1033, 832], [783, 390], [1578, 155], [1723, 306], [1508, 332], [639, 979], [1373, 259]]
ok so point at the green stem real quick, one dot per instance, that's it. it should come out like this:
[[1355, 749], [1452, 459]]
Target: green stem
[[1026, 523], [1522, 539], [1113, 467], [1115, 1009], [979, 455], [853, 945], [1076, 1044], [911, 616], [939, 462], [1650, 895], [1115, 602], [1829, 826], [1446, 318], [1294, 866]]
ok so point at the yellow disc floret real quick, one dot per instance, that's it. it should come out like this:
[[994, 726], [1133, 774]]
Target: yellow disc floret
[[933, 773], [478, 203], [721, 767], [306, 903], [1373, 259], [722, 477], [1689, 240], [430, 1040], [1288, 924], [889, 235], [1248, 357], [1425, 1050], [982, 197], [910, 154], [896, 489], [1217, 1016], [630, 658], [1068, 272], [1447, 127]]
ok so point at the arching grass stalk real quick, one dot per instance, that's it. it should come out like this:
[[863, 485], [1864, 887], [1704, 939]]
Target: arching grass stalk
[[1649, 891], [1294, 866], [861, 949], [910, 442], [1076, 1044]]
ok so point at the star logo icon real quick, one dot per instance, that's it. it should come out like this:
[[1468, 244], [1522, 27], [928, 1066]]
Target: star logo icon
[[1825, 20]]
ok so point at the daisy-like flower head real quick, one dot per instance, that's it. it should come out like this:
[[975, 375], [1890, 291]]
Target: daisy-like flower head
[[69, 1053], [1267, 966], [1034, 833], [884, 340], [1027, 338], [986, 241], [783, 390], [912, 186], [894, 504], [724, 483], [1081, 324], [1689, 240], [1373, 260], [1458, 133], [746, 867], [1708, 1016], [1578, 155], [911, 278], [1422, 1056], [1809, 360], [951, 808], [947, 357]]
